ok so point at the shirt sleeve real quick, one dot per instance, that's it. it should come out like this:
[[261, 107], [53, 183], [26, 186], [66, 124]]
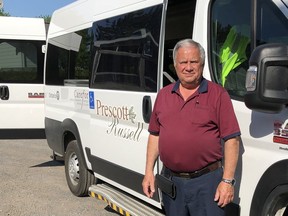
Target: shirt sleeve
[[154, 126], [229, 126]]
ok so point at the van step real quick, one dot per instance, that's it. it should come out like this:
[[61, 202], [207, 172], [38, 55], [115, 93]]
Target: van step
[[120, 202]]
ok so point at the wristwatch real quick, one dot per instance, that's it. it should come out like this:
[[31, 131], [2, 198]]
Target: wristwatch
[[232, 182]]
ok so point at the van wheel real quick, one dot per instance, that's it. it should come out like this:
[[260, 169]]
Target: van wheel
[[79, 179], [277, 202]]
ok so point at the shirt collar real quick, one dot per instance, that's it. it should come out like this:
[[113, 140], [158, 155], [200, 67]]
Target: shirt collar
[[202, 88]]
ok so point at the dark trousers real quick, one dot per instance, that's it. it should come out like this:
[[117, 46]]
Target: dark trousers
[[194, 197]]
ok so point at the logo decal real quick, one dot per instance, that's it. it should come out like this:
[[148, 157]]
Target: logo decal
[[81, 98], [280, 133], [55, 95], [91, 100], [118, 115], [35, 95]]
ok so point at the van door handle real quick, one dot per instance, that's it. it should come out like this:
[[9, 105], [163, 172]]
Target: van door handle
[[146, 108], [4, 92]]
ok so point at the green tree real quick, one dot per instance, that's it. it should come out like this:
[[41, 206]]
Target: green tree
[[46, 18], [3, 13]]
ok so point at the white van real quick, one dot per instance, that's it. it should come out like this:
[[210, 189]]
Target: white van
[[105, 63], [21, 77]]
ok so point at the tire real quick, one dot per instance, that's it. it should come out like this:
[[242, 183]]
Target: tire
[[277, 202], [78, 178]]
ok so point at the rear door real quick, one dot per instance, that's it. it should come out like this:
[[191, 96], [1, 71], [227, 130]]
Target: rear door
[[21, 84]]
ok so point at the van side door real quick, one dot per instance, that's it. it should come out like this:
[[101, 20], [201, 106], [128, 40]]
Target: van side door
[[123, 86]]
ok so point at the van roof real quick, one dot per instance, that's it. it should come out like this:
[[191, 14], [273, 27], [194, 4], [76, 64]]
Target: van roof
[[82, 13], [22, 28]]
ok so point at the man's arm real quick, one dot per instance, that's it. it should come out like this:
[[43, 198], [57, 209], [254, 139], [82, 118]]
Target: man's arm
[[225, 191], [148, 183]]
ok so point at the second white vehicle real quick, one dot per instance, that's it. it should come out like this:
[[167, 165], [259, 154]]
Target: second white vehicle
[[22, 42]]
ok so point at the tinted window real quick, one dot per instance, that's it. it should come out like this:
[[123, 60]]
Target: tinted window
[[272, 25], [126, 51], [21, 61], [68, 57], [230, 43], [179, 25]]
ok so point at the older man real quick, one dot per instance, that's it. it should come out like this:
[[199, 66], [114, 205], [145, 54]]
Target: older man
[[189, 120]]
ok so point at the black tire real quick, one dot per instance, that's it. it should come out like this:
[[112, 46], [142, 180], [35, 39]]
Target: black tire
[[78, 178], [277, 202]]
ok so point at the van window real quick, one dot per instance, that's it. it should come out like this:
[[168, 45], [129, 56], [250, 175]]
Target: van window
[[179, 25], [21, 62], [230, 43], [271, 23], [125, 51], [232, 40], [68, 58]]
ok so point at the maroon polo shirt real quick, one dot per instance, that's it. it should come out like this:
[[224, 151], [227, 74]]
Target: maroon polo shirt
[[190, 132]]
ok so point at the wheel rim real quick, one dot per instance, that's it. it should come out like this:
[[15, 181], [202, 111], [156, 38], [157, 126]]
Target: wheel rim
[[73, 169], [280, 212]]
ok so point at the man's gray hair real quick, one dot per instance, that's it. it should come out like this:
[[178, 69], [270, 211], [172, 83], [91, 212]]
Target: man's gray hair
[[189, 42]]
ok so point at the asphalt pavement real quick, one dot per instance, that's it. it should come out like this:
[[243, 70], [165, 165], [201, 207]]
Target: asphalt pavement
[[32, 184]]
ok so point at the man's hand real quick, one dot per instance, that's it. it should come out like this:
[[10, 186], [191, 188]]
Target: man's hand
[[148, 185], [224, 194]]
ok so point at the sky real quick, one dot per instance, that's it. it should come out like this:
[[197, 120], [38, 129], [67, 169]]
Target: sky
[[33, 8]]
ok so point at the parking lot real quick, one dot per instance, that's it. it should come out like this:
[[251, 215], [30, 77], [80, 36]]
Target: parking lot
[[34, 185]]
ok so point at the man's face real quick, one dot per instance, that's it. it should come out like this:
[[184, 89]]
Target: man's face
[[188, 66]]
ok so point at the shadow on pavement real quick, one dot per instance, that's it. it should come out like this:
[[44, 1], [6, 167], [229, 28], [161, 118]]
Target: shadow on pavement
[[52, 163]]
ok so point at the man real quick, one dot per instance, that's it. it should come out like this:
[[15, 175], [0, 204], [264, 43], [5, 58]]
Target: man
[[189, 119]]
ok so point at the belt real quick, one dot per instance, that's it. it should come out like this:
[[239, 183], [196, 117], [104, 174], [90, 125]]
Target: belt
[[211, 167]]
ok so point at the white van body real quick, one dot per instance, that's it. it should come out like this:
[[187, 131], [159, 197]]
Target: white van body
[[98, 104], [21, 76]]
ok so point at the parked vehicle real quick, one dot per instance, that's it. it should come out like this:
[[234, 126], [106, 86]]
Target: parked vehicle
[[107, 60], [21, 77]]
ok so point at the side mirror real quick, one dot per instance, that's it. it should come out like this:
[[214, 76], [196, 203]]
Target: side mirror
[[267, 78]]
